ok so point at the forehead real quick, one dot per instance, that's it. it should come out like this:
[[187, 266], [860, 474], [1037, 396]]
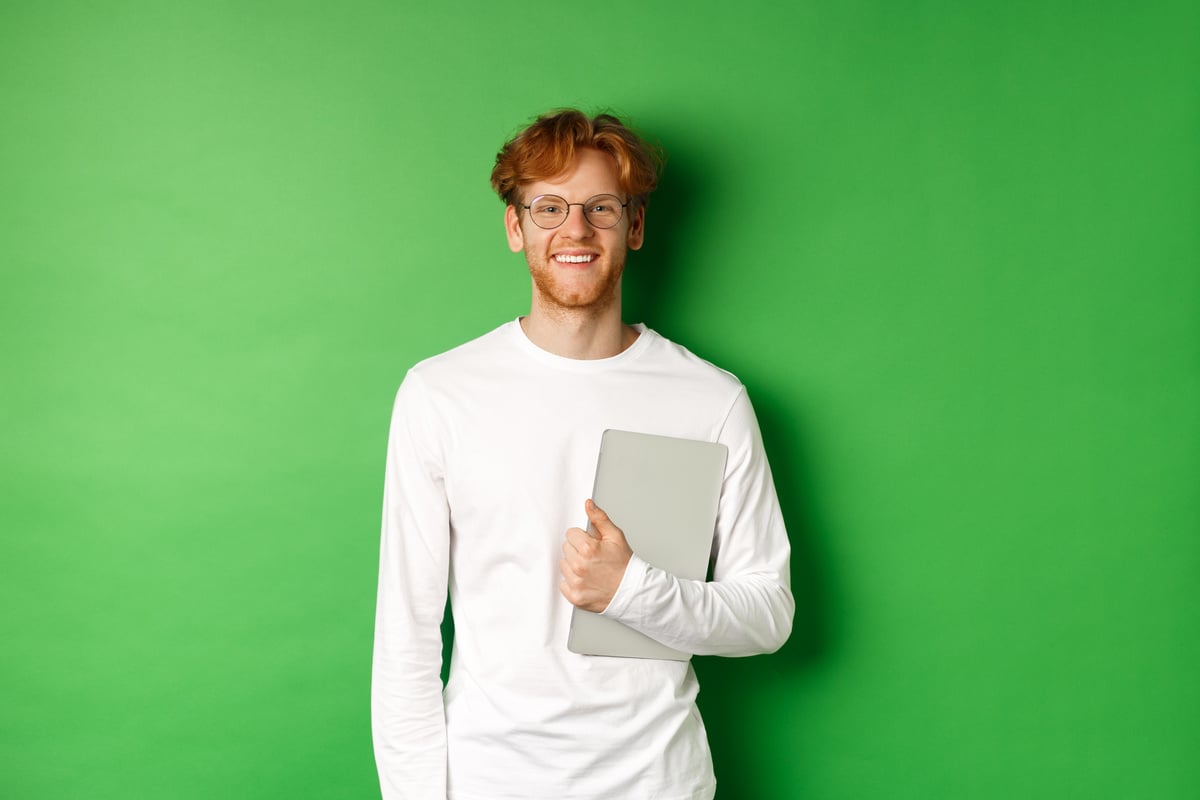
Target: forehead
[[593, 172]]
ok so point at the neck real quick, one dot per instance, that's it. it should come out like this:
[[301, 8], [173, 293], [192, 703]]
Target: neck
[[578, 333]]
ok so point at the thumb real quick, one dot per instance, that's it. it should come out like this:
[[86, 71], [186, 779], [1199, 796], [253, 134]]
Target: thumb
[[605, 529]]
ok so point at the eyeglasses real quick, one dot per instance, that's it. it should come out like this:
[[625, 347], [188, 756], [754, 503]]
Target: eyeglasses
[[549, 211]]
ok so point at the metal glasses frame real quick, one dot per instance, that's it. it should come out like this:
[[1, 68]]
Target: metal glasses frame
[[584, 206]]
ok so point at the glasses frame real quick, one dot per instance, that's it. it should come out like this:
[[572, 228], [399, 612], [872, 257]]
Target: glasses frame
[[583, 207]]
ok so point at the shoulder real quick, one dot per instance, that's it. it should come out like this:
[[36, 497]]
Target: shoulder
[[700, 384], [460, 360], [455, 372], [433, 385], [678, 360]]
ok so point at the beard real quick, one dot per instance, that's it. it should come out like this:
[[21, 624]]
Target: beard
[[568, 290]]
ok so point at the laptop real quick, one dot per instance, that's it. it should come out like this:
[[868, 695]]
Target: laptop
[[663, 493]]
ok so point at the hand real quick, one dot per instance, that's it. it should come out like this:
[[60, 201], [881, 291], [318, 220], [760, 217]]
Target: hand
[[592, 567]]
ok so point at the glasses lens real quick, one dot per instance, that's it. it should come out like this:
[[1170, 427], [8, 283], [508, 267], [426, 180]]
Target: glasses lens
[[548, 211], [603, 210]]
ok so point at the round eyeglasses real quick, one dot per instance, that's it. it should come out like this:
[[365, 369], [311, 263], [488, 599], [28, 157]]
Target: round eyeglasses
[[549, 210]]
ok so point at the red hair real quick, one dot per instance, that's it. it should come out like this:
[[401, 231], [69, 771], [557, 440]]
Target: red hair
[[546, 149]]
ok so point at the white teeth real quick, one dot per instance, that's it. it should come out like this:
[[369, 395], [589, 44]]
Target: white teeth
[[563, 259]]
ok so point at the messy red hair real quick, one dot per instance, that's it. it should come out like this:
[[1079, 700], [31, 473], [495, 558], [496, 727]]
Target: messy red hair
[[546, 149]]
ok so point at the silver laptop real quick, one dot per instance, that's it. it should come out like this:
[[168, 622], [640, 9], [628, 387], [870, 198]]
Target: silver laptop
[[662, 492]]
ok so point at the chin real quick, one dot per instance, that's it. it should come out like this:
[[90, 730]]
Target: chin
[[593, 297], [578, 301]]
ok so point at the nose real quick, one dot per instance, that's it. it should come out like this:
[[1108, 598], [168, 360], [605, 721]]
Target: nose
[[576, 224]]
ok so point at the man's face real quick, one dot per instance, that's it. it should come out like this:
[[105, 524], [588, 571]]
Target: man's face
[[576, 265]]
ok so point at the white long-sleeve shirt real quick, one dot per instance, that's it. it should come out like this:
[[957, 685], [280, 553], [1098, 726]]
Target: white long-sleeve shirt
[[492, 451]]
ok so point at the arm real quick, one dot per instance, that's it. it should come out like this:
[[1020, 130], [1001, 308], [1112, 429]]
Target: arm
[[747, 608], [407, 717]]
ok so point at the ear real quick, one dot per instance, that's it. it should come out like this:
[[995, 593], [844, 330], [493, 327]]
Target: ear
[[637, 230], [512, 227]]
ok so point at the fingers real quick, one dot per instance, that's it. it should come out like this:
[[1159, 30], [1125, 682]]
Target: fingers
[[580, 590], [573, 586], [580, 543], [570, 572], [592, 566]]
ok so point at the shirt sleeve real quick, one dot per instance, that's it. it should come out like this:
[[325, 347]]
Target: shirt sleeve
[[408, 722], [747, 608]]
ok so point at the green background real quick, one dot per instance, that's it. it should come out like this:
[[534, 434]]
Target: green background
[[953, 250]]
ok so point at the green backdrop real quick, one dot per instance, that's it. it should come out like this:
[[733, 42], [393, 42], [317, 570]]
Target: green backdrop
[[952, 249]]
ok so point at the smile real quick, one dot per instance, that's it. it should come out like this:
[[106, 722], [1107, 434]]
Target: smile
[[563, 258]]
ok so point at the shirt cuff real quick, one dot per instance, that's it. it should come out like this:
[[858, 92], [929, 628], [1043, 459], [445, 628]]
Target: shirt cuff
[[628, 591]]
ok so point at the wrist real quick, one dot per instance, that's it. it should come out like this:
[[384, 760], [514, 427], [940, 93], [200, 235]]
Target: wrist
[[628, 589]]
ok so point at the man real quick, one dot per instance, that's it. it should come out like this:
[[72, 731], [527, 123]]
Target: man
[[491, 456]]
